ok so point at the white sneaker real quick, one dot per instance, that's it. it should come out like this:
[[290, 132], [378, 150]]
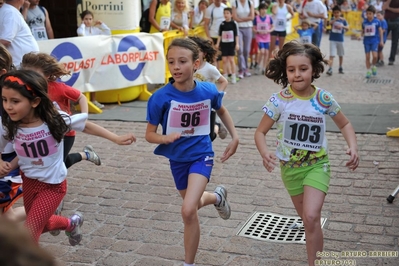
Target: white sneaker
[[99, 105], [233, 79], [223, 207]]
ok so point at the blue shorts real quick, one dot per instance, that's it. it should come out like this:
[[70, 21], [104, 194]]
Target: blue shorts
[[370, 47], [181, 170], [264, 45]]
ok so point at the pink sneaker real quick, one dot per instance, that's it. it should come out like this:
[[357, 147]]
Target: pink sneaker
[[247, 74], [240, 75]]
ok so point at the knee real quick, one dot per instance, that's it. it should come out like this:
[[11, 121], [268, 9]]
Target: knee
[[189, 214], [311, 220]]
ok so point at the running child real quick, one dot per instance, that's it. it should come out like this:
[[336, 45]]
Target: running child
[[337, 37], [228, 42], [209, 73], [384, 26], [263, 26], [10, 181], [372, 38], [47, 66], [37, 128], [299, 112], [182, 108]]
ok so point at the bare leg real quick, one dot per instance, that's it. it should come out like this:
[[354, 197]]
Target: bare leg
[[194, 198], [15, 214]]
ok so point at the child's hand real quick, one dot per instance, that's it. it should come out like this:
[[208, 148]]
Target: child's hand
[[269, 161], [237, 47], [353, 162], [125, 139], [5, 168], [230, 150], [167, 139], [381, 44], [98, 22]]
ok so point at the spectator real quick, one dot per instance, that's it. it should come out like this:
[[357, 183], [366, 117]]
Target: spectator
[[378, 5], [15, 34], [244, 14], [179, 18], [197, 15], [1, 3], [159, 17], [214, 16], [314, 11], [38, 20], [346, 7], [391, 8]]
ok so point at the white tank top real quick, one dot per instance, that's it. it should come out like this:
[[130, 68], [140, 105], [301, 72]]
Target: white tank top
[[280, 19]]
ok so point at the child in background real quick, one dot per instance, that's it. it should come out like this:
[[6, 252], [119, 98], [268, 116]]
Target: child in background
[[209, 73], [302, 150], [305, 32], [337, 37], [27, 111], [263, 26], [228, 42], [373, 37], [10, 179], [179, 18], [185, 137], [384, 26], [253, 52], [86, 28]]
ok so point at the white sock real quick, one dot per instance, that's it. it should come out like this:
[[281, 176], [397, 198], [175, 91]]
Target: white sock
[[218, 199], [186, 264]]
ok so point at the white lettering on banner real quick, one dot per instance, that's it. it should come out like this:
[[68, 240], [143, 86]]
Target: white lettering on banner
[[115, 62]]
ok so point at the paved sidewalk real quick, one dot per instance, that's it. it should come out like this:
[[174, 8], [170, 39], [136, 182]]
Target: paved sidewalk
[[132, 210]]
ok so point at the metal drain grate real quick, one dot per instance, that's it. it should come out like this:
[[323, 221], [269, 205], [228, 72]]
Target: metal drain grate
[[378, 81], [272, 227]]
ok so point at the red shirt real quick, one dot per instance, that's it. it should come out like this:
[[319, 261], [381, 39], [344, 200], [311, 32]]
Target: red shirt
[[360, 5], [62, 94]]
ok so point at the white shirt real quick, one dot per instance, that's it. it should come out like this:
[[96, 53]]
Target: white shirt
[[14, 29], [207, 73], [215, 14], [40, 155], [197, 17], [316, 7], [91, 31], [243, 11]]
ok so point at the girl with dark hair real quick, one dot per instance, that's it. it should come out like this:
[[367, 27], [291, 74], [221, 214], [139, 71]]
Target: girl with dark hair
[[37, 129], [299, 112]]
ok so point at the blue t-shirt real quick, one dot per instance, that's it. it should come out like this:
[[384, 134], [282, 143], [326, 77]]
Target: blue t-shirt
[[384, 26], [336, 33], [305, 36], [371, 31], [187, 148]]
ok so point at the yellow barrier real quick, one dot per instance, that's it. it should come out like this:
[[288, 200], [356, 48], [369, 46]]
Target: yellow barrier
[[393, 133]]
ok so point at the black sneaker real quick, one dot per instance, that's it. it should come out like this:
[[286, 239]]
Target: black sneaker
[[390, 63], [341, 70]]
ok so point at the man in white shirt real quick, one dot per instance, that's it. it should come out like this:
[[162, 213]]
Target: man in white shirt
[[15, 34], [314, 11]]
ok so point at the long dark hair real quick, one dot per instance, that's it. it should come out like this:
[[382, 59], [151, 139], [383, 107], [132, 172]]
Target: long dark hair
[[276, 69], [206, 46], [32, 85]]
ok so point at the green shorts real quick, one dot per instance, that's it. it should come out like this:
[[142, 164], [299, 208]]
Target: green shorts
[[316, 175]]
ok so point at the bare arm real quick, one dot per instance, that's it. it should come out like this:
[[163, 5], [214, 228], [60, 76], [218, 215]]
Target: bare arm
[[268, 158], [49, 28], [348, 132], [152, 136], [228, 122], [206, 27], [96, 130], [151, 16], [82, 101], [222, 83]]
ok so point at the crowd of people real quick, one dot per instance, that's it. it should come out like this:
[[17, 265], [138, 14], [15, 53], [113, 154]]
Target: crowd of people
[[37, 125], [255, 30]]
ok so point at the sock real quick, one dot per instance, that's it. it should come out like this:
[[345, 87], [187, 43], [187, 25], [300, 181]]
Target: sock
[[187, 264], [87, 155], [218, 199]]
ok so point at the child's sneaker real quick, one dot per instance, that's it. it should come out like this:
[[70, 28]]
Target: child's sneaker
[[57, 212], [329, 71], [257, 70], [75, 235], [240, 75], [247, 74], [93, 156], [340, 70], [374, 70], [223, 207], [99, 105], [233, 79], [368, 74]]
